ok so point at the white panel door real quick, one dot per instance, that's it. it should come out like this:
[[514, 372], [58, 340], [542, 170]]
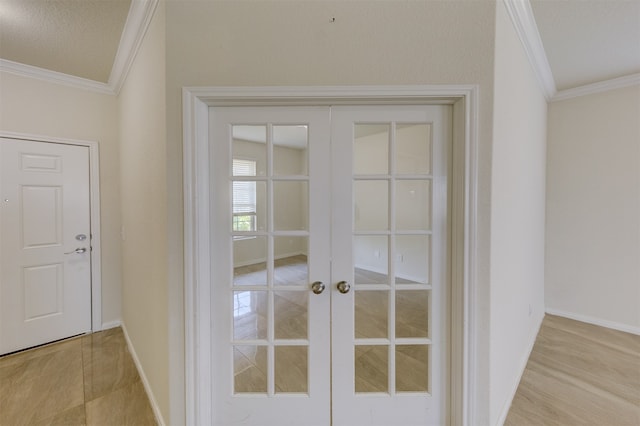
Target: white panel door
[[355, 198], [45, 269], [389, 249]]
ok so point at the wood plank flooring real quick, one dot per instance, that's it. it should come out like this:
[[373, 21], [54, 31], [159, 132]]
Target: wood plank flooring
[[579, 374]]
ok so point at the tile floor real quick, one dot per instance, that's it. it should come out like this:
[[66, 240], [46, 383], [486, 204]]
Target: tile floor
[[290, 321], [86, 380]]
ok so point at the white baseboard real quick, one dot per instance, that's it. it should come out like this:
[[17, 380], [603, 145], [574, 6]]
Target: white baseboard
[[109, 325], [264, 259], [143, 378], [385, 272], [595, 321], [523, 366]]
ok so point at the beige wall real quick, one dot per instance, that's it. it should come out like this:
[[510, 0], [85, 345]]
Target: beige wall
[[593, 208], [37, 107], [141, 114], [517, 214], [255, 43]]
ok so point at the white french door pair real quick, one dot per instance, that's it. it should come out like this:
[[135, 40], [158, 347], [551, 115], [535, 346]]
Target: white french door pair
[[330, 265]]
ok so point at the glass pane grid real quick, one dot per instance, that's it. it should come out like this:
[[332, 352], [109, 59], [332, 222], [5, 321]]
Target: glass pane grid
[[270, 241], [387, 356]]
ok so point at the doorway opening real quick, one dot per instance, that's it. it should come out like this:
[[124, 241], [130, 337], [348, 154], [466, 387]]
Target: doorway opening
[[198, 178], [84, 246]]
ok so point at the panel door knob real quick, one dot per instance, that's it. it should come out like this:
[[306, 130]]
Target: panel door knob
[[317, 287], [343, 287]]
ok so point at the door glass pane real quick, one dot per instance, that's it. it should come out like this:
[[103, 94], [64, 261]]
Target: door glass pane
[[249, 206], [412, 313], [371, 149], [413, 148], [291, 369], [249, 150], [250, 369], [412, 368], [290, 265], [371, 314], [371, 368], [371, 207], [290, 150], [250, 315], [249, 254], [290, 205], [371, 259], [290, 313], [413, 205], [412, 259]]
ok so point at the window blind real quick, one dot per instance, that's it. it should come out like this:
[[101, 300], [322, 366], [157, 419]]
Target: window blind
[[244, 193]]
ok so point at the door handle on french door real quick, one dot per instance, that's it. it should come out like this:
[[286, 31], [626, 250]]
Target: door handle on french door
[[79, 250], [317, 287], [343, 287]]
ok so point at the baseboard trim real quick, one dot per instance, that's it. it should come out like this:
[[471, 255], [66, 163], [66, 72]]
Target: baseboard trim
[[143, 378], [109, 325], [523, 366], [595, 321]]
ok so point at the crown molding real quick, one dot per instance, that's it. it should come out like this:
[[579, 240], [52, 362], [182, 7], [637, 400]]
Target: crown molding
[[525, 25], [133, 33], [598, 87], [135, 28], [30, 71]]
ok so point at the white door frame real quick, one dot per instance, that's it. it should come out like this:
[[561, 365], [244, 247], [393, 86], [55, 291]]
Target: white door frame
[[197, 207], [94, 188]]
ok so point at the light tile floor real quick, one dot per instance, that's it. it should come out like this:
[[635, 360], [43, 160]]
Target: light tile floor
[[87, 380]]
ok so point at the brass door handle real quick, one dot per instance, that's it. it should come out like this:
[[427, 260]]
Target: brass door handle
[[343, 287], [317, 287]]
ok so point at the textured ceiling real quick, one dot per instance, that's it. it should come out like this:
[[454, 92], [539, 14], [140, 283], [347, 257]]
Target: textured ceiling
[[585, 41], [76, 37], [588, 41]]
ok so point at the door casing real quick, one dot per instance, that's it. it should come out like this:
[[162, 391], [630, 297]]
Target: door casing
[[197, 227], [94, 188]]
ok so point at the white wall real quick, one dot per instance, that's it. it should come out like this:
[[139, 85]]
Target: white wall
[[141, 113], [517, 215], [256, 43], [593, 209], [37, 107]]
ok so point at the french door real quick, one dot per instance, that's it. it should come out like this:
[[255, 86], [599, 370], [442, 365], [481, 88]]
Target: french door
[[330, 265]]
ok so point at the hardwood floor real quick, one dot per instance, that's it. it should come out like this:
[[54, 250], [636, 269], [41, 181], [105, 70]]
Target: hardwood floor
[[86, 380], [579, 374]]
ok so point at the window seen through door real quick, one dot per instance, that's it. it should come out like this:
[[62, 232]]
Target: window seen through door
[[244, 197]]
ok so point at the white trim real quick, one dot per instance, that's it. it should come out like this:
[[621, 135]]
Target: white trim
[[143, 378], [135, 28], [196, 102], [599, 87], [595, 321], [111, 324], [523, 365], [54, 77], [525, 25], [94, 176]]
